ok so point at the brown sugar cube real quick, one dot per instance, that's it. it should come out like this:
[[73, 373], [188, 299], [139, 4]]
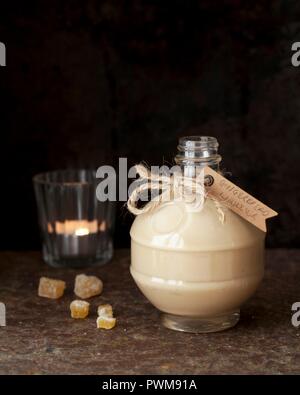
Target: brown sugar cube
[[87, 286], [51, 288], [105, 310], [106, 322], [79, 309]]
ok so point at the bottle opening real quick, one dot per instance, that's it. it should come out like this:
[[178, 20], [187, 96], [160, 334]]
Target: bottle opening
[[198, 150], [198, 143]]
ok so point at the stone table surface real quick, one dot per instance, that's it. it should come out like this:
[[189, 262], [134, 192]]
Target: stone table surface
[[41, 338]]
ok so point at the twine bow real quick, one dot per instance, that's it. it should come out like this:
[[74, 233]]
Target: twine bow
[[169, 187]]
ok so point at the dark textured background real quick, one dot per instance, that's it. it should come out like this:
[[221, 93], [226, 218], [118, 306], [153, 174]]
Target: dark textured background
[[85, 84]]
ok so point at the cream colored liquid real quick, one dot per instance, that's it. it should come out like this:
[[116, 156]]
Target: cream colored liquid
[[189, 263]]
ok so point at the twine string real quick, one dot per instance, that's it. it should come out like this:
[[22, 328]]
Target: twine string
[[175, 187]]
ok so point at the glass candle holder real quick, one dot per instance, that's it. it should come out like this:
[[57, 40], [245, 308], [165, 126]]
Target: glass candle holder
[[76, 228]]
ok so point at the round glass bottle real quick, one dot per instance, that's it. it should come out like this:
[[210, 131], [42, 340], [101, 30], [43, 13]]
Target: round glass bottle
[[195, 269]]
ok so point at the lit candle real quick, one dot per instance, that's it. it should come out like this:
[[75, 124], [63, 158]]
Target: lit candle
[[74, 227], [76, 237]]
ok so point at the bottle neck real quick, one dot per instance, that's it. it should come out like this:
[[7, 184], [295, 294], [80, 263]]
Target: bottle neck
[[196, 152]]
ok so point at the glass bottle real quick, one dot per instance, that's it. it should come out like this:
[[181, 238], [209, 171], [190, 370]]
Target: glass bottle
[[195, 269]]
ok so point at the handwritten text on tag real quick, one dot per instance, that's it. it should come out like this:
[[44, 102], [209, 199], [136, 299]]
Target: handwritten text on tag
[[236, 199]]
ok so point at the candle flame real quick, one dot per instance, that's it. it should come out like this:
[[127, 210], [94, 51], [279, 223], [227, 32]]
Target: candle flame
[[82, 232]]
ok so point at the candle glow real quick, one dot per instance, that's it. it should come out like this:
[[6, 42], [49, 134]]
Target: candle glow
[[74, 227]]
